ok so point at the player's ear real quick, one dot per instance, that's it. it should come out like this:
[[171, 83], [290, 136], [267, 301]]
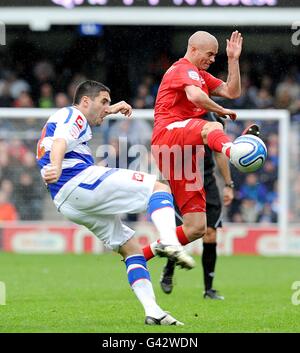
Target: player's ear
[[85, 100], [194, 49]]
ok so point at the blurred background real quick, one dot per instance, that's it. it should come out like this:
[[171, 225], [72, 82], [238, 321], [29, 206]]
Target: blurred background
[[51, 46]]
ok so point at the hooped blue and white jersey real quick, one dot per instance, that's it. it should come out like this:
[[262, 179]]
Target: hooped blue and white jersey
[[70, 124]]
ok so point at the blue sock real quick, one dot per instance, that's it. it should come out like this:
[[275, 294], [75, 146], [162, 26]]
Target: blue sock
[[139, 280], [160, 200], [136, 268]]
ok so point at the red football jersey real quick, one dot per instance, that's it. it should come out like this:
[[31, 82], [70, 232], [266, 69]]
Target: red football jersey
[[171, 103]]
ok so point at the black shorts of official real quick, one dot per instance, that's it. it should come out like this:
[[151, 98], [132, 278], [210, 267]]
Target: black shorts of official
[[213, 202]]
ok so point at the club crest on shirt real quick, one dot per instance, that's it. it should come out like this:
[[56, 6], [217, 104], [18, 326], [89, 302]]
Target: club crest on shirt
[[193, 75], [79, 122], [138, 177]]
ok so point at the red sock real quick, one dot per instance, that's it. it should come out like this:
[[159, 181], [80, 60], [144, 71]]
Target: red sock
[[183, 240], [148, 253], [147, 250], [216, 139]]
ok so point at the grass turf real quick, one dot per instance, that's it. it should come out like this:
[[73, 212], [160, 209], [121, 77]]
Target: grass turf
[[89, 293]]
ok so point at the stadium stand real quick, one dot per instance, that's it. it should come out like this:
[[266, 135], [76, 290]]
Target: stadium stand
[[50, 83]]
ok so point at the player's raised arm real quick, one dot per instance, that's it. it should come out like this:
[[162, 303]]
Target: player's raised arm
[[58, 150], [120, 107], [200, 99], [232, 87]]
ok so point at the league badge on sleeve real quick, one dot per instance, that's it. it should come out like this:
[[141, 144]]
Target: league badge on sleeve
[[193, 75]]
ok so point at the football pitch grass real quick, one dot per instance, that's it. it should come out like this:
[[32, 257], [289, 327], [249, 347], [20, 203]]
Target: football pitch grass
[[90, 293]]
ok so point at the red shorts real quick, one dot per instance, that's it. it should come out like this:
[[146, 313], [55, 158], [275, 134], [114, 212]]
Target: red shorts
[[179, 153]]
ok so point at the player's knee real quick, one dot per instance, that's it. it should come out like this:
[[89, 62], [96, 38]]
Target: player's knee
[[210, 236], [158, 186], [131, 247], [211, 126], [195, 231]]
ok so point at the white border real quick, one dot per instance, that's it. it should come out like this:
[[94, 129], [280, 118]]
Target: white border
[[42, 18]]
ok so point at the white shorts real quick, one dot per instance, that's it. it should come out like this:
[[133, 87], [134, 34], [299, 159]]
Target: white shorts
[[108, 192]]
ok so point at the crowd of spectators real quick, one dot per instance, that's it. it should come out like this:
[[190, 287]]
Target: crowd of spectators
[[22, 192], [21, 189]]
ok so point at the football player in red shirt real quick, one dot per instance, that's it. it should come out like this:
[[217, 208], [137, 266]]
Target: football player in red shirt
[[183, 98]]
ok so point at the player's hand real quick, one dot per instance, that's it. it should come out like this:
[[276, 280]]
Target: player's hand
[[234, 45], [120, 107], [228, 195], [52, 174], [228, 113]]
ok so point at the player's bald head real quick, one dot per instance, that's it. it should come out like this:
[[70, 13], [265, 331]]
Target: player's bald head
[[201, 40], [202, 49]]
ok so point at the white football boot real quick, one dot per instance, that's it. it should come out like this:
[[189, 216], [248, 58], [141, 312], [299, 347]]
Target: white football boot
[[175, 253], [166, 320]]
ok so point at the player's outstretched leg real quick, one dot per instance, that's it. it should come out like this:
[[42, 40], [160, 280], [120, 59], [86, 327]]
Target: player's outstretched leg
[[140, 282], [213, 135], [161, 211]]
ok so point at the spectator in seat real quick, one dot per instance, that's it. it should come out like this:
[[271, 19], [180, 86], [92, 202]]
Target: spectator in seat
[[8, 211], [61, 100], [46, 96]]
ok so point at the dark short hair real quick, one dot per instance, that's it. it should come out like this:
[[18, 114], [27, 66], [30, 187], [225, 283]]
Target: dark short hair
[[89, 88]]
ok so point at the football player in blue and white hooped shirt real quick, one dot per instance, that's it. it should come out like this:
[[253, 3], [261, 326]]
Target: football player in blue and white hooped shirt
[[95, 196]]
